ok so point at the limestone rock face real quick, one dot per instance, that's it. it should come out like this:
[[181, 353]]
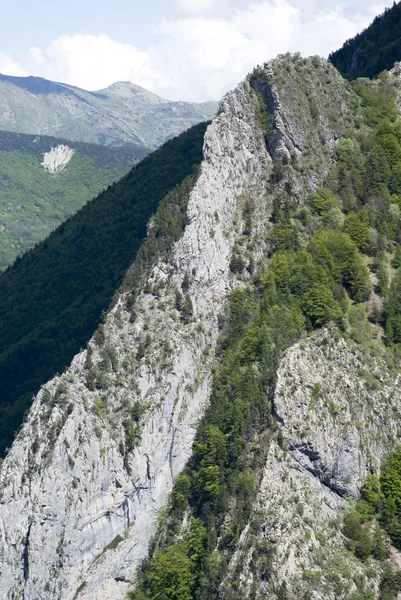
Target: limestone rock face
[[347, 408], [82, 484]]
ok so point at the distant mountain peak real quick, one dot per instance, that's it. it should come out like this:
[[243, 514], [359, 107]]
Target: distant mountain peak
[[130, 89], [33, 84], [121, 114]]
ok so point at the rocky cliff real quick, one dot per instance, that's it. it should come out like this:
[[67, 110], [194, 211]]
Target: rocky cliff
[[96, 458]]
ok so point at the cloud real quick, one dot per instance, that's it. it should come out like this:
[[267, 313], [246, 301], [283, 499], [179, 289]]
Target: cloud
[[202, 48], [92, 62], [199, 7], [205, 56], [193, 7], [9, 66]]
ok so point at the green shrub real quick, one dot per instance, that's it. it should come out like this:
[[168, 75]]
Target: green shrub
[[323, 200]]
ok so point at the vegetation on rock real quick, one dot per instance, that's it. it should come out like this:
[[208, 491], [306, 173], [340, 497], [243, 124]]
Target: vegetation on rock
[[323, 258], [375, 521]]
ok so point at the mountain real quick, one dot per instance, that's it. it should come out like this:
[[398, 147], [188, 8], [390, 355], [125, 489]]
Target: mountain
[[44, 180], [122, 114], [375, 49], [52, 298], [231, 429]]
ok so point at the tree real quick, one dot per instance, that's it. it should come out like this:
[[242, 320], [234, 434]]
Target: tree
[[380, 550], [393, 324], [181, 491], [340, 258], [357, 229], [171, 574], [323, 200], [396, 263], [319, 306]]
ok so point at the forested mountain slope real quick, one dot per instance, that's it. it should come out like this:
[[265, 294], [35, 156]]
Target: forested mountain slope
[[44, 180], [374, 50], [243, 392], [52, 299], [122, 114]]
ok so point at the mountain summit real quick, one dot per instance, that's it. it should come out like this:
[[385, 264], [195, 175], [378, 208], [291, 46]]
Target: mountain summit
[[239, 381], [122, 114]]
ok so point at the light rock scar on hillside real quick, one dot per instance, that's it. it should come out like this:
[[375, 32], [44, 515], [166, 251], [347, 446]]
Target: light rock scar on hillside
[[57, 158], [85, 478]]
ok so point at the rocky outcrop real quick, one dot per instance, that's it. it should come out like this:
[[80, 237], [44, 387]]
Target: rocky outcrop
[[347, 407], [101, 446], [79, 491], [339, 409]]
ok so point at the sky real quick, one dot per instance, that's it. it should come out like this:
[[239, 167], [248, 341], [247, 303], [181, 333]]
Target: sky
[[193, 50]]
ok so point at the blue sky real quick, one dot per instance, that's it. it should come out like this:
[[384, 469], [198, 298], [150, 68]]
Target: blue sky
[[180, 49], [24, 24]]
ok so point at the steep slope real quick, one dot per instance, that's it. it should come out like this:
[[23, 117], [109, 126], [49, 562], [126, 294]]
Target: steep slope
[[122, 114], [102, 443], [375, 49], [52, 299], [44, 180]]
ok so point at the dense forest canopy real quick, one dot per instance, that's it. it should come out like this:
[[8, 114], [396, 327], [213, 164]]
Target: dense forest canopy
[[52, 299], [374, 50]]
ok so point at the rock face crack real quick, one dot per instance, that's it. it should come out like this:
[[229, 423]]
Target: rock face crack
[[26, 552], [170, 455], [148, 474], [311, 460]]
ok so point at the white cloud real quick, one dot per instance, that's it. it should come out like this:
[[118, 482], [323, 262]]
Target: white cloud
[[193, 7], [205, 56], [199, 7], [92, 62], [8, 66], [203, 48]]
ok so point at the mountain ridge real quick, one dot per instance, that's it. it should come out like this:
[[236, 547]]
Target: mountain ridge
[[118, 115], [129, 406], [231, 429]]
